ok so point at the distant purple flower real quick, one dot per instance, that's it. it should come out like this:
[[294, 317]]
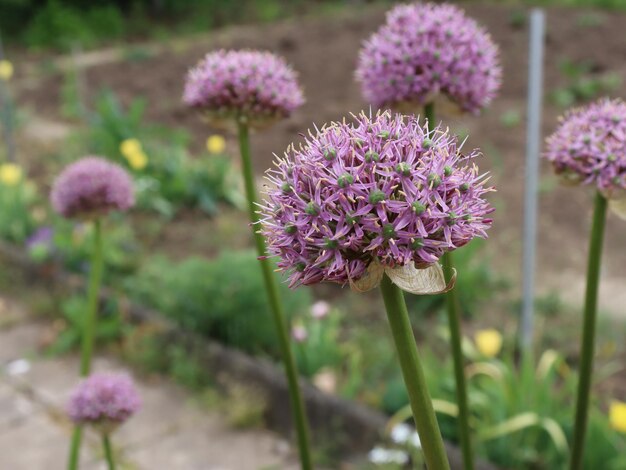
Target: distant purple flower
[[257, 86], [320, 309], [381, 189], [91, 187], [427, 49], [589, 147], [41, 237], [104, 400]]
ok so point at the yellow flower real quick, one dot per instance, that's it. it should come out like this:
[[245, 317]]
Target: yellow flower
[[488, 342], [10, 174], [130, 147], [6, 70], [617, 415], [137, 160], [215, 144]]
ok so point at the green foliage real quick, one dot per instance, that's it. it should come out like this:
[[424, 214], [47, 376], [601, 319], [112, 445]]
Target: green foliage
[[16, 202], [73, 243], [61, 26], [172, 178], [321, 348], [74, 311], [582, 84], [476, 283], [223, 298]]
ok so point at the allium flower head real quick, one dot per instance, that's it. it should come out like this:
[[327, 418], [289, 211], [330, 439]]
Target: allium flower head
[[589, 147], [91, 187], [425, 50], [378, 194], [104, 400], [258, 87]]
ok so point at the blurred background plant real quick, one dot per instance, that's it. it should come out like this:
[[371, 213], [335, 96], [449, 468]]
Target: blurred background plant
[[220, 298], [17, 198]]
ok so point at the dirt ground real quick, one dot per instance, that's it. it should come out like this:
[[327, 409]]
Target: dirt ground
[[323, 49]]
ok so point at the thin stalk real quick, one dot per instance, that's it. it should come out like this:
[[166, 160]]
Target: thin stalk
[[297, 405], [89, 329], [454, 325], [108, 452], [589, 326], [421, 403]]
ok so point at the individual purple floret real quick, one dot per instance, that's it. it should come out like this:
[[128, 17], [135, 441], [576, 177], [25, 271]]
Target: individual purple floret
[[383, 189], [589, 147], [427, 49], [104, 400], [91, 187], [256, 86]]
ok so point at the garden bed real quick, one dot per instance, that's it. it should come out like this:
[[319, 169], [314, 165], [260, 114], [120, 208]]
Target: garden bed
[[355, 429]]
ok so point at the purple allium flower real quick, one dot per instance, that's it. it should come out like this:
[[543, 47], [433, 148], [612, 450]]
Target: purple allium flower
[[104, 400], [381, 190], [91, 187], [589, 147], [256, 86], [427, 49]]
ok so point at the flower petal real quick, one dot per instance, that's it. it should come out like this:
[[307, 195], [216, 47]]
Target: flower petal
[[370, 279], [426, 281], [618, 207]]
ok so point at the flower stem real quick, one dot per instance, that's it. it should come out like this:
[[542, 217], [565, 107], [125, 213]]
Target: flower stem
[[588, 334], [454, 325], [297, 405], [421, 404], [108, 452], [89, 329]]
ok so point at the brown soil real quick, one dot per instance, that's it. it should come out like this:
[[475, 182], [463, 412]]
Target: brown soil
[[324, 51]]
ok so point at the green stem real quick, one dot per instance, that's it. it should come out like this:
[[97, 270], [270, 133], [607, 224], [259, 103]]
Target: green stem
[[454, 324], [297, 405], [89, 329], [108, 452], [77, 436], [93, 295], [421, 403], [588, 334]]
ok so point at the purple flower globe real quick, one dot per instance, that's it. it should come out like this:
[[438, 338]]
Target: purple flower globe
[[92, 187], [104, 400], [383, 192], [589, 147], [425, 50], [257, 87]]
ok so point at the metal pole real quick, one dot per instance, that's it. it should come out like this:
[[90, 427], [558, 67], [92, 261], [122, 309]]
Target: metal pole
[[533, 146]]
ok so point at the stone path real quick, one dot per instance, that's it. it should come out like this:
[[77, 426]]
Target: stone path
[[170, 432]]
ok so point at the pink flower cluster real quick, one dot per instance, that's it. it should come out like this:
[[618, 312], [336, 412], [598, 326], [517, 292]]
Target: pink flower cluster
[[104, 400], [382, 188], [91, 187], [257, 86], [589, 147], [427, 49]]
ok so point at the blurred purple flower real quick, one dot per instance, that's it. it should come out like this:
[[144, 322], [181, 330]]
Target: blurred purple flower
[[91, 187], [427, 49], [104, 400], [42, 236], [589, 147], [256, 86], [382, 189]]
